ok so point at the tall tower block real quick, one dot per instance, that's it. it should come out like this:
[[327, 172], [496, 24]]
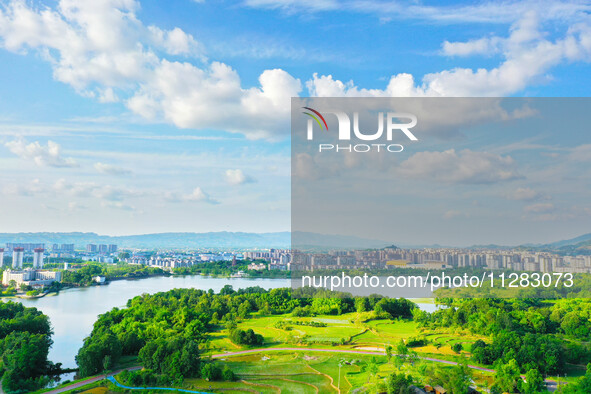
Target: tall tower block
[[17, 257], [38, 258], [1, 257]]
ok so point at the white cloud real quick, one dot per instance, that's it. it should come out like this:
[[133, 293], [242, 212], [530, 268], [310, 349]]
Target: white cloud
[[114, 193], [91, 189], [482, 46], [479, 12], [524, 194], [42, 156], [102, 50], [453, 214], [191, 97], [465, 166], [197, 195], [118, 205], [111, 169], [77, 189], [581, 153], [295, 5], [175, 41], [75, 206], [539, 208], [31, 188], [527, 57], [237, 177]]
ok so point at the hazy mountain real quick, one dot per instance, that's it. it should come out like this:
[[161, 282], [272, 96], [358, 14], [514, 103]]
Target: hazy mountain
[[580, 244], [222, 239], [314, 241], [572, 241], [280, 240]]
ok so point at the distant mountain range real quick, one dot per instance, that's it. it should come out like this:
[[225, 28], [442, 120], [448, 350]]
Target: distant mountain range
[[243, 240], [221, 240], [580, 244], [211, 240], [586, 238]]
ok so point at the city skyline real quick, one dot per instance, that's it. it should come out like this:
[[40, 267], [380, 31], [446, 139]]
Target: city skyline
[[147, 120]]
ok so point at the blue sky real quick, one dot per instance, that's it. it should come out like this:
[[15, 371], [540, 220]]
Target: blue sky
[[124, 117]]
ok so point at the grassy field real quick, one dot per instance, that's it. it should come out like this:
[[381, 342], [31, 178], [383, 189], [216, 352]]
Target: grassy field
[[349, 331], [306, 371], [290, 372], [300, 372]]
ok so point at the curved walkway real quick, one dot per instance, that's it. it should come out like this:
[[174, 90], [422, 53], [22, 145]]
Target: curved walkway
[[116, 383], [88, 381], [549, 382]]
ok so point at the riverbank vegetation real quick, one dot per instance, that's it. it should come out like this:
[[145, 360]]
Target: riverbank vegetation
[[25, 339], [229, 268], [83, 276], [534, 338]]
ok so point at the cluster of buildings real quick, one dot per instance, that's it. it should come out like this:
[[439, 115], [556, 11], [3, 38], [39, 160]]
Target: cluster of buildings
[[280, 257], [163, 261], [101, 248], [63, 248], [444, 258], [18, 256], [274, 258], [175, 259], [35, 277]]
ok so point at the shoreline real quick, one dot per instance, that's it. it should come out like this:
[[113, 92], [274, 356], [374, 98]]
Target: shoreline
[[68, 286]]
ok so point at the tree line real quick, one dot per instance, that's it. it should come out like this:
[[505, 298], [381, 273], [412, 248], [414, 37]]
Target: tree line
[[25, 339]]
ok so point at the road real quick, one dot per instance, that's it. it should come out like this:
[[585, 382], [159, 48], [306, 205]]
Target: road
[[89, 381], [296, 349], [549, 383]]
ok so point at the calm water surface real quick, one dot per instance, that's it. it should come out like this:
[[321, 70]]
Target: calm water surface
[[74, 311]]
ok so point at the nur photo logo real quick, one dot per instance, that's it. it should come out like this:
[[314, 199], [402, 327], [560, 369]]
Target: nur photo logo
[[390, 125]]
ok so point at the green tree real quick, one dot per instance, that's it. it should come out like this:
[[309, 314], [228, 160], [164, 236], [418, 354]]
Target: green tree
[[211, 372], [507, 377], [389, 352], [402, 349], [534, 382], [398, 384], [228, 374], [460, 377]]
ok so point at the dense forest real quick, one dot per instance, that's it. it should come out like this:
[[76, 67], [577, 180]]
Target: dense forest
[[227, 268], [168, 330], [83, 275], [25, 339]]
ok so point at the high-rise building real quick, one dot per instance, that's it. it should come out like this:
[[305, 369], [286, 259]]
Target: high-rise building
[[1, 257], [27, 247], [112, 248], [102, 248], [38, 258], [63, 248], [91, 248], [17, 257]]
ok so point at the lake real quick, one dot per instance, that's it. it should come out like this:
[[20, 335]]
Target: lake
[[73, 311]]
